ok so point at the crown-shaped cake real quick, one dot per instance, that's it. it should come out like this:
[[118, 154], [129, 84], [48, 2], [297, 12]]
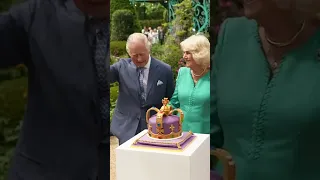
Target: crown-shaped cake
[[164, 125]]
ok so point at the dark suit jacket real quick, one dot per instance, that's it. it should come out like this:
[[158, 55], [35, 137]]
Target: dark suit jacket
[[161, 35], [62, 129], [129, 116]]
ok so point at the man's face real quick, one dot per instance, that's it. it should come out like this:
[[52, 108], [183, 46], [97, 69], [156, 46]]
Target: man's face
[[95, 8], [139, 53]]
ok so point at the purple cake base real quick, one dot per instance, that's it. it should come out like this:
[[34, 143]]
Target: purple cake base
[[167, 122], [175, 144]]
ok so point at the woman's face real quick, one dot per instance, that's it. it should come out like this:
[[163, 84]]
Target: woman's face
[[190, 62]]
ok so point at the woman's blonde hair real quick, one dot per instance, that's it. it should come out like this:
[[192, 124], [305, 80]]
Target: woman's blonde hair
[[199, 47]]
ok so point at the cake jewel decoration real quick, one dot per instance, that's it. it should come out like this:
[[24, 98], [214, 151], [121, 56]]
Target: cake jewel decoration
[[164, 124]]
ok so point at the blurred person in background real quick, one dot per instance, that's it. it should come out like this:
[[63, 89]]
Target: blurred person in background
[[161, 35]]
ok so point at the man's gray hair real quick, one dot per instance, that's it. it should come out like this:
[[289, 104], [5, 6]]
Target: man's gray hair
[[138, 37]]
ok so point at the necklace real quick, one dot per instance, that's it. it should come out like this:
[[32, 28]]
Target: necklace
[[274, 65], [280, 44], [197, 75], [272, 61]]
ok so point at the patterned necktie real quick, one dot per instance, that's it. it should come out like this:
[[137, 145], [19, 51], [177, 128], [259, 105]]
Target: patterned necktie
[[101, 61], [142, 88]]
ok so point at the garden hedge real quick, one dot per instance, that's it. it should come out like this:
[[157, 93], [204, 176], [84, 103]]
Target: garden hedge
[[12, 106], [122, 25], [120, 4], [118, 48]]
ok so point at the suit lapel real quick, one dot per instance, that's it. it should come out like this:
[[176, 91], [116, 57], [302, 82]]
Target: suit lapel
[[154, 73]]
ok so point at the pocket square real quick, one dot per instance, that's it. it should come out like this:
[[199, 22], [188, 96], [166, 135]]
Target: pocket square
[[159, 83]]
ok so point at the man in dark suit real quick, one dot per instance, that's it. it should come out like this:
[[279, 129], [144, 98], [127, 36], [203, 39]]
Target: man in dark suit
[[161, 35], [143, 82], [64, 44]]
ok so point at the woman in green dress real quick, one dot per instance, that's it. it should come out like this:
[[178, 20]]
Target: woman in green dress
[[266, 90], [192, 94]]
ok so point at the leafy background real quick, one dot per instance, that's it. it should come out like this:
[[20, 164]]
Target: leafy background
[[153, 15], [13, 81]]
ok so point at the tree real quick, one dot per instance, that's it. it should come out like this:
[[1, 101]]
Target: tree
[[120, 4], [122, 25], [124, 5], [182, 25]]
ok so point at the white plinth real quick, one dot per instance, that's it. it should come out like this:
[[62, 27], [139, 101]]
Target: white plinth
[[193, 163]]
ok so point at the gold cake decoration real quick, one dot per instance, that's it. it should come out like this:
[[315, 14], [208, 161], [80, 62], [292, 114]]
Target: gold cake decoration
[[165, 111]]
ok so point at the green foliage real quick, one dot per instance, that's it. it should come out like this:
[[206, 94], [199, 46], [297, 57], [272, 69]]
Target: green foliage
[[157, 51], [6, 4], [114, 91], [13, 88], [165, 27], [165, 15], [12, 104], [122, 25], [116, 5], [174, 54], [10, 74], [113, 60], [154, 10], [140, 11], [118, 48], [182, 25], [149, 11], [120, 4], [180, 29], [151, 23], [168, 53]]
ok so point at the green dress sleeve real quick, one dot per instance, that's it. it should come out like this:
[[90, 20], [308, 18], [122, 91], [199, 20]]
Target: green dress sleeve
[[216, 132], [174, 101]]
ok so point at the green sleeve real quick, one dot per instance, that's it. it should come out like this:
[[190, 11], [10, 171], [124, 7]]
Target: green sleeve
[[216, 132], [174, 101]]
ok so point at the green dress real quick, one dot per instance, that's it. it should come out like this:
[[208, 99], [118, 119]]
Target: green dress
[[269, 124], [193, 100]]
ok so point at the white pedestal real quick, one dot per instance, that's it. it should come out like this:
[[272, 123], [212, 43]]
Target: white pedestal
[[193, 163]]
